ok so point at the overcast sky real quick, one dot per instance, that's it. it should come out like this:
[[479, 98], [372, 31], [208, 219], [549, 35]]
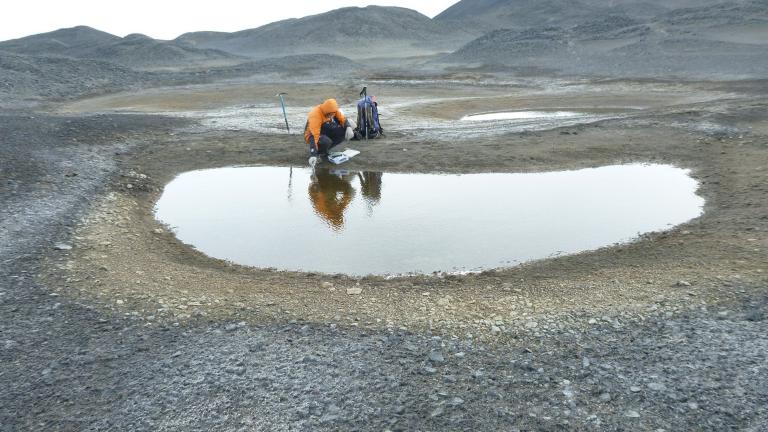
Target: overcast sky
[[167, 19]]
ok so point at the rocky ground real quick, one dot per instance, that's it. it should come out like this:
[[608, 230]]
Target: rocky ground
[[107, 322]]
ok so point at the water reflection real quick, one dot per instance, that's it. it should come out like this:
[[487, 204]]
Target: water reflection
[[338, 221], [331, 191]]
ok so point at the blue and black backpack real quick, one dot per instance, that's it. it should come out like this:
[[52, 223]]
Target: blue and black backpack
[[368, 126]]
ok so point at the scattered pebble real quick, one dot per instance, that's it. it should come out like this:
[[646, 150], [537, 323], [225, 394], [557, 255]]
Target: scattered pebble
[[436, 357]]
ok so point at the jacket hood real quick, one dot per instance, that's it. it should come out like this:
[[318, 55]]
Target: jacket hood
[[329, 106]]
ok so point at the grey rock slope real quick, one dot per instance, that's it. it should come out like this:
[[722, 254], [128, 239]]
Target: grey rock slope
[[301, 65], [726, 40], [72, 42], [487, 15], [43, 77], [353, 32], [137, 51]]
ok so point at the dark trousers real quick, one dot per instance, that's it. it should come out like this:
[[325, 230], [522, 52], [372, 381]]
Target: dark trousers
[[331, 135]]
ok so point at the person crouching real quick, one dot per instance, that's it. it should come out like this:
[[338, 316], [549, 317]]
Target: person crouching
[[326, 128]]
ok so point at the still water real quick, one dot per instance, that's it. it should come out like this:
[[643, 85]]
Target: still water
[[358, 223], [522, 115]]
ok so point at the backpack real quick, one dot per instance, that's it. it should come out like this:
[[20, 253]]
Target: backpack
[[368, 125]]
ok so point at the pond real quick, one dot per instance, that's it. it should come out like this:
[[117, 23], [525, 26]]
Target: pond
[[523, 115], [359, 223]]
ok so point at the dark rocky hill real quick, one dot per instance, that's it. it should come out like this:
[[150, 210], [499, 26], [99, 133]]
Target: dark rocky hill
[[353, 32], [71, 42], [140, 51], [487, 15], [715, 41], [135, 50], [40, 77]]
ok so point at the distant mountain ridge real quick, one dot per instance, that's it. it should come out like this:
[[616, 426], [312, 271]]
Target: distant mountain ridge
[[604, 37], [372, 31], [729, 39], [135, 50], [488, 15]]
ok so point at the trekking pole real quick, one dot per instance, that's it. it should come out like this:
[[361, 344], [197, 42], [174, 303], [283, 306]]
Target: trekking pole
[[285, 116]]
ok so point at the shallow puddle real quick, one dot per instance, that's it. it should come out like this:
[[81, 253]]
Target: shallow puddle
[[358, 223], [522, 115]]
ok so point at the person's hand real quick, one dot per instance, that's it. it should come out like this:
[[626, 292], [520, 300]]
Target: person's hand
[[349, 134], [312, 161]]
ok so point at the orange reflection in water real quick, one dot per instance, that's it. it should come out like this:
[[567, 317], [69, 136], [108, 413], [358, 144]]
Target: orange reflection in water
[[330, 192]]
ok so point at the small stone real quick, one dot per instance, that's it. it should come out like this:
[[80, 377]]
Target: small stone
[[120, 302], [632, 414], [8, 344], [436, 357], [531, 324], [683, 283], [62, 246], [239, 371], [326, 285], [158, 231], [585, 362], [354, 291], [495, 329], [634, 389], [437, 412], [429, 370], [592, 321], [605, 397], [693, 405], [657, 386], [456, 401]]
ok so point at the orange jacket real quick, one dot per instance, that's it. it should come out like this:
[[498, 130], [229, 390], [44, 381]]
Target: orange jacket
[[319, 115]]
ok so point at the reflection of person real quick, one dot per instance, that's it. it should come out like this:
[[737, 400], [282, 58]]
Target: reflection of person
[[330, 194], [370, 184], [326, 127]]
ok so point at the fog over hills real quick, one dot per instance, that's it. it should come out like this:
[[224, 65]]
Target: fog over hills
[[372, 31]]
